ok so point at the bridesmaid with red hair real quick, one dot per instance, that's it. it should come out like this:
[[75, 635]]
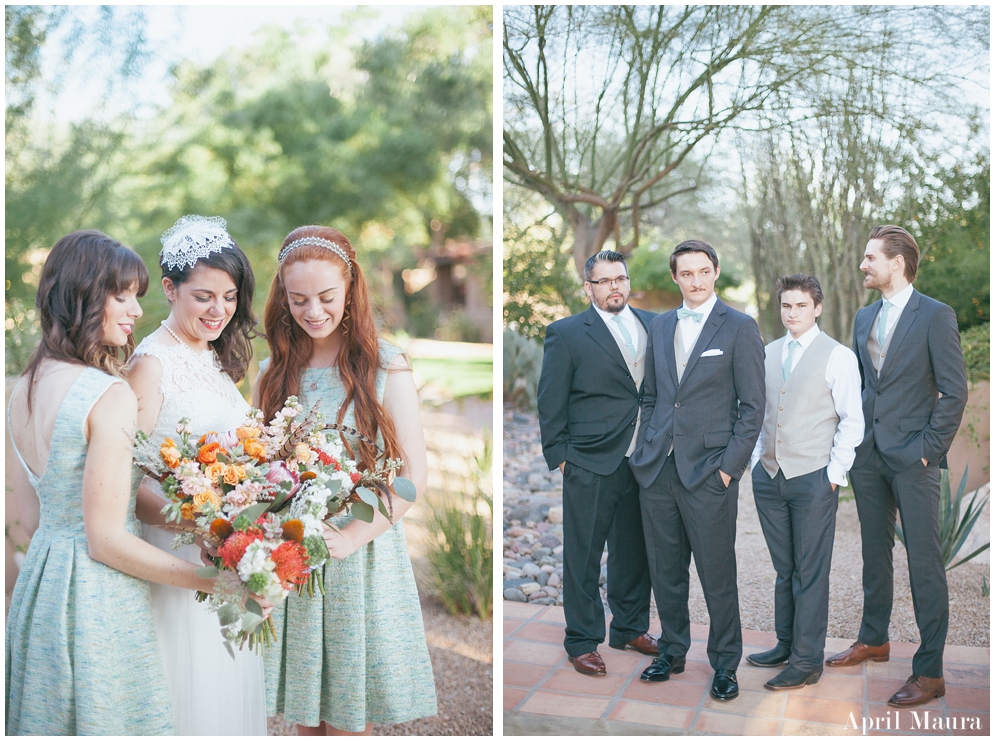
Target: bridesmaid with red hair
[[356, 656]]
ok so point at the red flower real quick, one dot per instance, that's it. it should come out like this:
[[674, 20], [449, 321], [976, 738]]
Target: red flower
[[234, 548], [325, 458], [355, 476], [291, 561]]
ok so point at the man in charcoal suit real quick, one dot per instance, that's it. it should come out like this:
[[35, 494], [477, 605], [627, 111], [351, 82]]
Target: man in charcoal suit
[[703, 406], [914, 394], [588, 398], [812, 426]]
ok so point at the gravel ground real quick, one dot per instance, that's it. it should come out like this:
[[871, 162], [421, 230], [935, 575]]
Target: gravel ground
[[527, 479]]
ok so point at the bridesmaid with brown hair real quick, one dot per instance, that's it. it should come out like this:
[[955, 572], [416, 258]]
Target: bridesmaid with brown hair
[[356, 656]]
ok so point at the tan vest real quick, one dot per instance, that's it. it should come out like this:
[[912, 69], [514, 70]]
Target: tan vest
[[800, 419], [877, 352], [636, 367]]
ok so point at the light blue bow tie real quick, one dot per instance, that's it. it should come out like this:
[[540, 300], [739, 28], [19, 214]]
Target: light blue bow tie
[[683, 313]]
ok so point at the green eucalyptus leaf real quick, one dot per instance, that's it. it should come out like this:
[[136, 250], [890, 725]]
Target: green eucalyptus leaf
[[208, 572], [251, 621], [383, 508], [362, 511], [405, 489], [333, 485], [252, 513], [230, 650], [252, 606], [229, 613], [367, 496]]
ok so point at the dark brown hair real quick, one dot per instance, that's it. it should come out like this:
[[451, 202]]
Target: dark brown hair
[[81, 271], [896, 241], [692, 245], [800, 282], [359, 358], [234, 346]]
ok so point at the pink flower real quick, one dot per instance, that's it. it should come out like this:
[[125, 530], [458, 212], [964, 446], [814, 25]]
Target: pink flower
[[227, 440], [279, 472]]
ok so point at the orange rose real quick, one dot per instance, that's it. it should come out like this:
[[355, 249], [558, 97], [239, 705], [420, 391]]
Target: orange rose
[[247, 433], [234, 474], [209, 453], [170, 453], [215, 471], [186, 511], [205, 497], [255, 449]]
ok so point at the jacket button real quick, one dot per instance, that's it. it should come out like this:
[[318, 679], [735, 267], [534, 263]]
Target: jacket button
[[677, 404], [876, 420], [877, 393]]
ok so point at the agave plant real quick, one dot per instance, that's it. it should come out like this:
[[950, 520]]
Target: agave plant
[[955, 526]]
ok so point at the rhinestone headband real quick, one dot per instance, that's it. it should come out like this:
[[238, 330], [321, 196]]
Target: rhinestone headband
[[317, 242], [193, 238]]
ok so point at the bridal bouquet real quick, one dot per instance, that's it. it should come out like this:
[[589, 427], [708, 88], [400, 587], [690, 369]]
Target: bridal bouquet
[[261, 495]]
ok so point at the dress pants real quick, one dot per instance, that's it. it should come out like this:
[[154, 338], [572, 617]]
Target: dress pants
[[915, 492], [597, 510], [798, 517], [677, 523]]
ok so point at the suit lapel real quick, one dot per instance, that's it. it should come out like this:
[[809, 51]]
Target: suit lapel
[[862, 332], [905, 321], [715, 320], [667, 328], [602, 335]]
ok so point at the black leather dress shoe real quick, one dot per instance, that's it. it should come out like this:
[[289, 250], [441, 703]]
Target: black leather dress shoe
[[724, 686], [662, 667], [775, 657], [792, 678]]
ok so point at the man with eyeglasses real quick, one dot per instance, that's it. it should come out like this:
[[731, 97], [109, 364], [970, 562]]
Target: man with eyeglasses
[[589, 393], [702, 410]]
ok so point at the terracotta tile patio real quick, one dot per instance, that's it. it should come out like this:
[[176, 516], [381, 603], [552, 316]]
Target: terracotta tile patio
[[539, 680]]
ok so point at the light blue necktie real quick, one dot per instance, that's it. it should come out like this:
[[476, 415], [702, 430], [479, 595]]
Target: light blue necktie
[[625, 335], [786, 365], [883, 322], [683, 313]]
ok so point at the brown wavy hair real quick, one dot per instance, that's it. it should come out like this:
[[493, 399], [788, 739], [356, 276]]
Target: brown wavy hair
[[234, 346], [80, 272], [359, 357]]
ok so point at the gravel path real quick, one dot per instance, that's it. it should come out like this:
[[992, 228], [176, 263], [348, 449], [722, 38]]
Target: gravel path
[[530, 491]]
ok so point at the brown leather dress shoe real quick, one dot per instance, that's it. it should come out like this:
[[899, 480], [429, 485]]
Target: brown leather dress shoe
[[591, 663], [917, 691], [644, 644], [859, 652]]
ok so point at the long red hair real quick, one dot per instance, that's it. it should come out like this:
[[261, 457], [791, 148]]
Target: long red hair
[[359, 357]]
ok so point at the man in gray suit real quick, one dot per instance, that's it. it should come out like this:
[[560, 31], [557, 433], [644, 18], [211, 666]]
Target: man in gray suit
[[914, 393], [703, 406], [589, 389], [812, 426]]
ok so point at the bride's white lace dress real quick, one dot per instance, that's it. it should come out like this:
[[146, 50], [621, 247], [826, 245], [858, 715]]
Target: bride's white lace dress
[[211, 694]]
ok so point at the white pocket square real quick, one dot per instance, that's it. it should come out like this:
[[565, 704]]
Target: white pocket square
[[711, 353]]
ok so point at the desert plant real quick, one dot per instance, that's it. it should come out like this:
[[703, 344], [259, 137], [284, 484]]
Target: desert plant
[[522, 363], [461, 553], [954, 526]]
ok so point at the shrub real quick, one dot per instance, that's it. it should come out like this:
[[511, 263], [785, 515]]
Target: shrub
[[522, 363], [976, 344], [461, 553]]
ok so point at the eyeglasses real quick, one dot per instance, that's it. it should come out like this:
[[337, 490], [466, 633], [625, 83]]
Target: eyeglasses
[[610, 281]]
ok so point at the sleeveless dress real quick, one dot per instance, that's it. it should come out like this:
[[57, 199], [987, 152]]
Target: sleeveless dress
[[358, 655], [211, 694], [81, 655]]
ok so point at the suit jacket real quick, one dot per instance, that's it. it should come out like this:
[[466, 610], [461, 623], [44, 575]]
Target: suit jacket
[[903, 412], [588, 400], [714, 415]]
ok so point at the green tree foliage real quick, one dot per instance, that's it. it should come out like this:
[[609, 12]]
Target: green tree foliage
[[953, 222]]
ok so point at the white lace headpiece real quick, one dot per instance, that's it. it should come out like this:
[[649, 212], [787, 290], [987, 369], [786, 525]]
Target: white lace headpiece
[[317, 242], [193, 238]]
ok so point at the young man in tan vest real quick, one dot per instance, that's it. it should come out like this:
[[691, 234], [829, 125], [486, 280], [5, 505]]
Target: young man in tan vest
[[812, 425]]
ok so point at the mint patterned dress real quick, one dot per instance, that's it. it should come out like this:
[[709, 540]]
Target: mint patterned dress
[[358, 655], [81, 657]]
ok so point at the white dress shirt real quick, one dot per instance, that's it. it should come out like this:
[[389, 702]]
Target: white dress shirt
[[628, 319], [689, 328], [843, 379]]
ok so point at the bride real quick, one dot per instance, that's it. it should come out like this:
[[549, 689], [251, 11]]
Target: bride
[[188, 368]]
